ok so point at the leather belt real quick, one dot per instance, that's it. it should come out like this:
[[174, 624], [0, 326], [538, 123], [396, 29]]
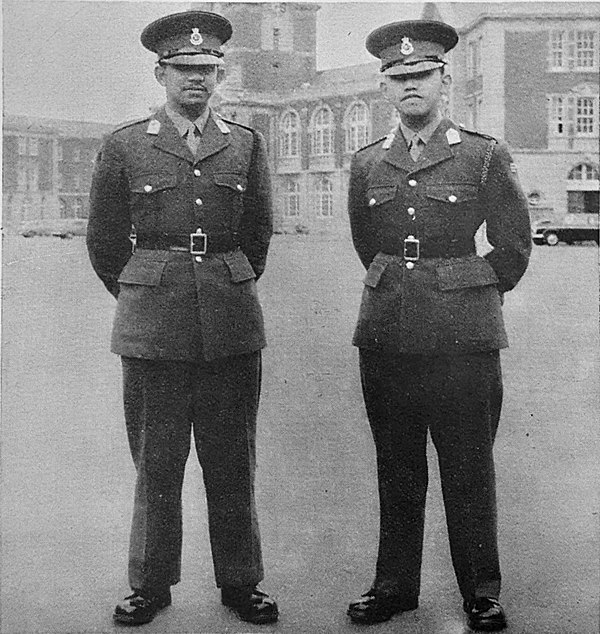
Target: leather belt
[[215, 242], [433, 249]]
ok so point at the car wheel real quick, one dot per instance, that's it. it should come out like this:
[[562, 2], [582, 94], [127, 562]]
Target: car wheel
[[551, 239]]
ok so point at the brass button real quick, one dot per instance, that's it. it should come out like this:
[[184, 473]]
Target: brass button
[[411, 211], [147, 188], [197, 172], [198, 258], [452, 198], [372, 202], [410, 265], [240, 188], [198, 201], [412, 182]]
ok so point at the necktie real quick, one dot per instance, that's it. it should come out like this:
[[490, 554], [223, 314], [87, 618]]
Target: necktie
[[193, 138], [416, 147]]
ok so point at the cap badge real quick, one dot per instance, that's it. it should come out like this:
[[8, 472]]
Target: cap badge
[[195, 37], [407, 47]]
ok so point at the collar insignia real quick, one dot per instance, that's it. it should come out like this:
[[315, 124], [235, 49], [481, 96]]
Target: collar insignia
[[389, 139], [453, 136], [221, 125], [153, 127], [407, 47], [195, 37]]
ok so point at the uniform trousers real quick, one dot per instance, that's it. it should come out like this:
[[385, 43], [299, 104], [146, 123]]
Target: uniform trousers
[[164, 402], [458, 399]]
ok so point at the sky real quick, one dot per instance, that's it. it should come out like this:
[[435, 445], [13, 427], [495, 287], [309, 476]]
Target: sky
[[82, 60]]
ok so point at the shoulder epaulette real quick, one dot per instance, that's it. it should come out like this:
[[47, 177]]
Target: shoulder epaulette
[[241, 125], [127, 124], [477, 133], [372, 144]]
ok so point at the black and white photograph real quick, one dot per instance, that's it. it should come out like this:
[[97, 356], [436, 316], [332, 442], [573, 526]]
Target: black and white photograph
[[299, 317]]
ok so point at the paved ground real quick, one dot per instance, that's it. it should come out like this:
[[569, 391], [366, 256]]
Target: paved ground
[[68, 481]]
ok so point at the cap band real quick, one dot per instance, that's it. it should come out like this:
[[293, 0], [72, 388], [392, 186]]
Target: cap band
[[402, 62], [175, 52]]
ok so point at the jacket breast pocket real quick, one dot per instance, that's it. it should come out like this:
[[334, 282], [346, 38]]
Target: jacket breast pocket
[[231, 181], [381, 194], [453, 193], [239, 267], [465, 274], [142, 271], [151, 184]]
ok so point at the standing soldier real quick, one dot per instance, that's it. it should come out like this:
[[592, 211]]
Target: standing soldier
[[189, 329], [430, 325]]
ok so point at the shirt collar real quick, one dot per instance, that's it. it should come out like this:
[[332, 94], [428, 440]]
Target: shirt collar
[[182, 124], [425, 134]]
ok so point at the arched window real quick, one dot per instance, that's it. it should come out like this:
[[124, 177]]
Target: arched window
[[289, 135], [322, 132], [584, 172], [324, 196], [357, 127], [291, 198]]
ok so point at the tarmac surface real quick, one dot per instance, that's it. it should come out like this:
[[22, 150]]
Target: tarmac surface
[[67, 477]]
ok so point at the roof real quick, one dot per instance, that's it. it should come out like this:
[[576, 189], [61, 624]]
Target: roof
[[60, 127]]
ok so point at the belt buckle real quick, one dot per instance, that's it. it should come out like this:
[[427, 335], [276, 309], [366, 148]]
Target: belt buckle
[[198, 243], [411, 249]]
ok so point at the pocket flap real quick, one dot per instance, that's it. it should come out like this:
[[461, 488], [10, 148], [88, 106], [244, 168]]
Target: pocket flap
[[453, 193], [374, 273], [151, 183], [240, 269], [465, 274], [142, 271], [233, 181], [381, 194]]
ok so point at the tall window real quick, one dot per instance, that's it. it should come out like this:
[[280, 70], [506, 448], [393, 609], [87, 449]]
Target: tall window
[[277, 29], [574, 50], [474, 58], [291, 198], [289, 135], [324, 196], [584, 172], [322, 132], [573, 115], [76, 154], [357, 127]]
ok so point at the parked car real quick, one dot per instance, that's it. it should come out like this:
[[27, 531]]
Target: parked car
[[570, 228]]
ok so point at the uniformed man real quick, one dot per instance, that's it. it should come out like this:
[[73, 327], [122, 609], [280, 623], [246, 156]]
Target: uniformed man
[[196, 191], [430, 325]]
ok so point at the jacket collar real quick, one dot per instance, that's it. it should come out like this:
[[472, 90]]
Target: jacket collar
[[169, 140], [438, 149]]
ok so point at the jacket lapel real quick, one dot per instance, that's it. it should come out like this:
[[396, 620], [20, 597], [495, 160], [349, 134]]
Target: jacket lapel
[[398, 154], [211, 141], [168, 138]]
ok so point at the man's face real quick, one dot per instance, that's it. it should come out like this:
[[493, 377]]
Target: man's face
[[188, 88], [418, 97]]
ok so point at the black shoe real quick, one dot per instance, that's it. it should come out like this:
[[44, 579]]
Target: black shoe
[[250, 604], [485, 614], [376, 607], [141, 607]]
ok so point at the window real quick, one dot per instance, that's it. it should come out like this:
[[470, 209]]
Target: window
[[78, 208], [76, 154], [22, 145], [289, 135], [324, 196], [357, 127], [584, 172], [474, 58], [34, 148], [77, 182], [59, 151], [573, 50], [276, 29], [573, 116], [291, 198], [322, 133]]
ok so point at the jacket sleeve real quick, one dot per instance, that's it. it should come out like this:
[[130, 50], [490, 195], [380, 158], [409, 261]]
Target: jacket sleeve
[[109, 224], [507, 220], [363, 232], [256, 225]]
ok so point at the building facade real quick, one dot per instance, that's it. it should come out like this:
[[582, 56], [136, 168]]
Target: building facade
[[524, 72]]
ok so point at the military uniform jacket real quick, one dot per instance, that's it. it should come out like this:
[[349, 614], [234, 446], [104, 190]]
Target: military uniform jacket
[[171, 306], [448, 301]]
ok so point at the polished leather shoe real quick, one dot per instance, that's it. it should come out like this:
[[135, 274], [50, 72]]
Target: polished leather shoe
[[141, 607], [250, 604], [376, 607], [485, 614]]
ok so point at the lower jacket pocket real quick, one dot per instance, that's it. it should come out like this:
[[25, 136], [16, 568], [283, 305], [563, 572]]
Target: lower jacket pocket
[[239, 267], [465, 274], [142, 271]]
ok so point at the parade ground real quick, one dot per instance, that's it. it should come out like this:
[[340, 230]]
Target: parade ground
[[68, 479]]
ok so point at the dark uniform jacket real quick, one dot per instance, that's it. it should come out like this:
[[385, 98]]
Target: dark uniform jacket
[[448, 301], [169, 305]]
